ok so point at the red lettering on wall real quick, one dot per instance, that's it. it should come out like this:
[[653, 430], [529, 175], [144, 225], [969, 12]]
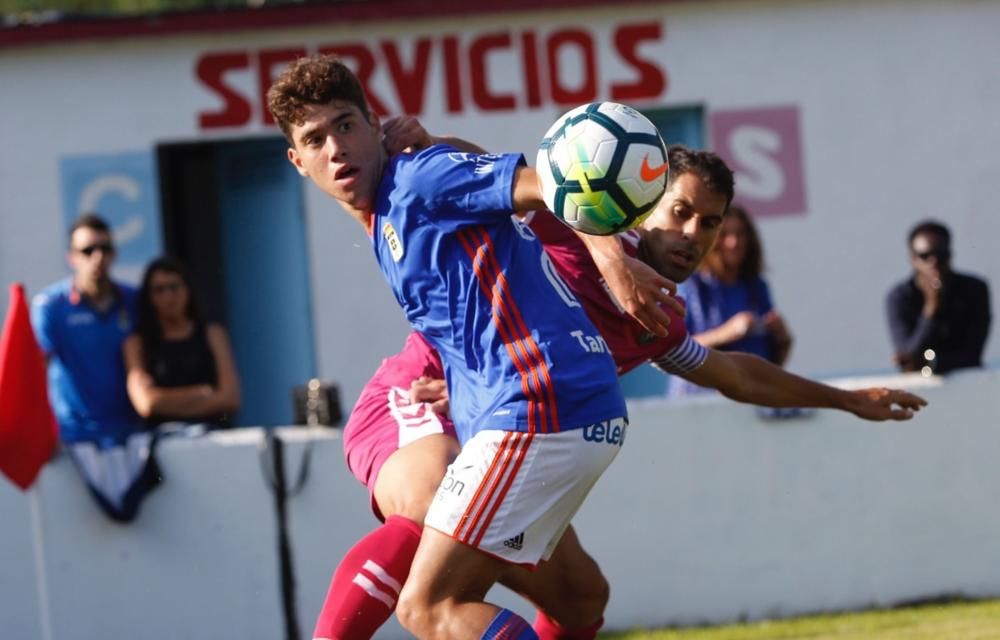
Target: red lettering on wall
[[452, 75], [410, 85], [481, 94], [651, 80], [268, 59], [532, 85], [587, 92], [364, 66], [555, 68], [235, 111]]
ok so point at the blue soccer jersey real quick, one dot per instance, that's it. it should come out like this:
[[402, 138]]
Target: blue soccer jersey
[[478, 285], [86, 370]]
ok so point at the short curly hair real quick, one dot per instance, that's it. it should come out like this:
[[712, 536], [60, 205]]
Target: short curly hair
[[318, 79], [709, 167]]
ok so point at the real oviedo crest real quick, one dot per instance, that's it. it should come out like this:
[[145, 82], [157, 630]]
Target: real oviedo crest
[[392, 239]]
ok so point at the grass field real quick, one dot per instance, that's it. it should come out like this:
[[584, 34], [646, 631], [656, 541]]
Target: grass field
[[958, 621]]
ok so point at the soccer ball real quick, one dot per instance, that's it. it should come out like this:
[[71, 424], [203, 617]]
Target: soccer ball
[[602, 168]]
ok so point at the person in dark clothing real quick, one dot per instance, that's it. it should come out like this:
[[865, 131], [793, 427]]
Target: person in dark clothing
[[180, 368], [939, 319]]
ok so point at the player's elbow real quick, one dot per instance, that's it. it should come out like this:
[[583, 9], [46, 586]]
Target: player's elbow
[[738, 392]]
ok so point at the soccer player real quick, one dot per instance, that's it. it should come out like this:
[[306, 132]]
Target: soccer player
[[475, 282], [400, 447]]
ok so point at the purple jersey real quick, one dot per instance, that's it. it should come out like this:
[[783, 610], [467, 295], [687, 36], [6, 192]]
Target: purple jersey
[[519, 353], [630, 343]]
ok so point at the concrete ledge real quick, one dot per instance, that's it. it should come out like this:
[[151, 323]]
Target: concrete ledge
[[709, 514]]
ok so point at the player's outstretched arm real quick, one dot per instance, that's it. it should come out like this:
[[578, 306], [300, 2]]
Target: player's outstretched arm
[[748, 378]]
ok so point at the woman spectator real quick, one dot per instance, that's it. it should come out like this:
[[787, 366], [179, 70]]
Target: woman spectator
[[729, 303], [180, 368]]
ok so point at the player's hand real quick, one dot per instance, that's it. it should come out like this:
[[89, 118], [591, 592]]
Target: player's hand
[[878, 403], [404, 134], [432, 390], [640, 290]]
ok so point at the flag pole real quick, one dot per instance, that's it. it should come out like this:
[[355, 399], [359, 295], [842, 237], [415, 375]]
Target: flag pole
[[38, 546]]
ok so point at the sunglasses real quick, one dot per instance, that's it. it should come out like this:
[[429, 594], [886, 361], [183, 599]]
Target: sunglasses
[[940, 254], [170, 287], [106, 248]]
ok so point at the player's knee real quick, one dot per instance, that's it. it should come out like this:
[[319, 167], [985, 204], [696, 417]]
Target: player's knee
[[597, 593], [415, 505], [418, 615], [409, 479], [397, 497], [584, 597], [410, 613]]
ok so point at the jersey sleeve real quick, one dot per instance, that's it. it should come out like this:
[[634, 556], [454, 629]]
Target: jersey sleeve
[[463, 189], [684, 358]]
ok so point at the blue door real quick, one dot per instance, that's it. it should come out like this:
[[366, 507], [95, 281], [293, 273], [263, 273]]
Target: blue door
[[677, 125], [266, 277]]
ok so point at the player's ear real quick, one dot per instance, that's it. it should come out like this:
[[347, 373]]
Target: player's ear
[[296, 160]]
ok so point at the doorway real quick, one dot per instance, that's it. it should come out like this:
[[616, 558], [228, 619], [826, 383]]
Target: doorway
[[233, 212]]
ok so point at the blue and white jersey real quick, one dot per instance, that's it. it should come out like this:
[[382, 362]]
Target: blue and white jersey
[[86, 370], [519, 352]]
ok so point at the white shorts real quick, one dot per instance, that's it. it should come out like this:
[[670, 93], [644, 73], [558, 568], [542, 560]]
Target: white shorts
[[512, 494]]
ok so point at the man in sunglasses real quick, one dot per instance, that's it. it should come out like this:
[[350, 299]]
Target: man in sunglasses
[[81, 323], [939, 319]]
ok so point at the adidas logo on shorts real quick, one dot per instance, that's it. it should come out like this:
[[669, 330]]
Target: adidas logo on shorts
[[515, 543]]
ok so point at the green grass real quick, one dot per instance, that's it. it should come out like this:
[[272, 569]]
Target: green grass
[[957, 621]]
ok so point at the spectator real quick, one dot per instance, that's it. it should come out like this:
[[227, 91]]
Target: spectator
[[81, 323], [729, 303], [180, 368], [938, 319]]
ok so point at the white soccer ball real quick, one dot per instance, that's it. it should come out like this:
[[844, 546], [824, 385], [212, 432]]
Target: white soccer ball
[[602, 168]]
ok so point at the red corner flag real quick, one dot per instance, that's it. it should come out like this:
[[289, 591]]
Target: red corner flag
[[28, 430]]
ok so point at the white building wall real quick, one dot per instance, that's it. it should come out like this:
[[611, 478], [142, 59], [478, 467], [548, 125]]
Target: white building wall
[[896, 104], [708, 515]]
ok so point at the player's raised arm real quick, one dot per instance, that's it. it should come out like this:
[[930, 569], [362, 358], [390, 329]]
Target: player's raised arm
[[527, 193], [639, 289], [405, 134], [748, 378]]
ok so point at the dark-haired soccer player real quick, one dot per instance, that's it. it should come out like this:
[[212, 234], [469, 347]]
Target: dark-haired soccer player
[[400, 446], [476, 283]]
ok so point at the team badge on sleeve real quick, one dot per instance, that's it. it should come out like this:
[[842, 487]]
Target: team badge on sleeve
[[392, 239]]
